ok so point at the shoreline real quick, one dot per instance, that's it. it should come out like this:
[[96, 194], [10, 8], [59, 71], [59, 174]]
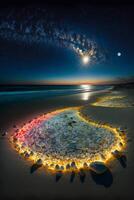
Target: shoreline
[[18, 181]]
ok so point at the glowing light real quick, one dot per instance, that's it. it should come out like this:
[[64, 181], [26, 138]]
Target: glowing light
[[86, 87], [86, 96], [85, 59], [18, 137], [119, 54], [112, 101]]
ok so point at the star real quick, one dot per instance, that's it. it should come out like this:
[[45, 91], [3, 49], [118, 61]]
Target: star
[[119, 54]]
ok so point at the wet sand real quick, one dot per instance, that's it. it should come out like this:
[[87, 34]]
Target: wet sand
[[16, 180]]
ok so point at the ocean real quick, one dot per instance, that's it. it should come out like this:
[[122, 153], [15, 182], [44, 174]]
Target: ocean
[[48, 90]]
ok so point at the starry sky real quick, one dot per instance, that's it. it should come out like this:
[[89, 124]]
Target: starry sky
[[42, 44]]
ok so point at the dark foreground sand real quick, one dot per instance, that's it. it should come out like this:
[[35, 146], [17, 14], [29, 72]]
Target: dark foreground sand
[[16, 181]]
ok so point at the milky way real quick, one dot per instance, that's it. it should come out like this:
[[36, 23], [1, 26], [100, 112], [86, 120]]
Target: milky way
[[28, 25]]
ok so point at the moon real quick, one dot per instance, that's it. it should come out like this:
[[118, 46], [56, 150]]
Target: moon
[[85, 59]]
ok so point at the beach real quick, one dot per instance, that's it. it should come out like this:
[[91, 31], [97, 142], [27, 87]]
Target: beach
[[17, 182]]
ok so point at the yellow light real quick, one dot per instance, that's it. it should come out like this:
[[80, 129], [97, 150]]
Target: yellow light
[[48, 161], [85, 59], [107, 101]]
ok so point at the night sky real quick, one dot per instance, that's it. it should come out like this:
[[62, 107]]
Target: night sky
[[40, 44]]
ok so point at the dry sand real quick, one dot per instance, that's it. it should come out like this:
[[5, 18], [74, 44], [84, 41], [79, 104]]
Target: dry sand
[[16, 181]]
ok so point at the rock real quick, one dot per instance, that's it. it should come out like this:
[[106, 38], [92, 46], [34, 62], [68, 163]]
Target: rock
[[73, 165], [14, 139], [121, 144], [57, 167], [98, 167], [73, 121], [62, 168], [31, 153], [116, 154], [122, 133], [85, 165], [39, 162], [68, 166], [26, 155], [16, 146], [102, 156]]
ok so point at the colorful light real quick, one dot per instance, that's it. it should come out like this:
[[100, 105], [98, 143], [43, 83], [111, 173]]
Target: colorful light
[[50, 161]]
